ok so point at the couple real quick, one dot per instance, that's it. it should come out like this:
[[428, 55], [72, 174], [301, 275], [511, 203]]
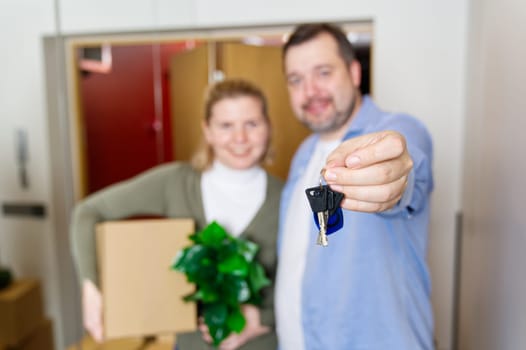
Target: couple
[[370, 288]]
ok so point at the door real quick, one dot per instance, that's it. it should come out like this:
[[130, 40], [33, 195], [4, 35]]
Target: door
[[259, 64], [262, 65], [124, 132], [189, 79]]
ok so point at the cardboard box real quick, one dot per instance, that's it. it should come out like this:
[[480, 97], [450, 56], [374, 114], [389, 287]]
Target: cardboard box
[[165, 342], [141, 294], [21, 311], [40, 339], [87, 343]]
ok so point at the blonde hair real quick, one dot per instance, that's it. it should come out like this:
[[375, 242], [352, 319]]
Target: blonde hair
[[231, 88]]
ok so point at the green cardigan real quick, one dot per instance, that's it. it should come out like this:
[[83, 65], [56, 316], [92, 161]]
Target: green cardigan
[[171, 190]]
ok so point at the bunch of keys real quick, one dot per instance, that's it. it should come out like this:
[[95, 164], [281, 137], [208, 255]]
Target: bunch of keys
[[325, 204]]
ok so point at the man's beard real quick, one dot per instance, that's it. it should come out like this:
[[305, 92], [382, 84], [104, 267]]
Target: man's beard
[[338, 119]]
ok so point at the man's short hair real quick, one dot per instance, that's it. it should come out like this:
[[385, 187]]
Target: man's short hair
[[308, 31]]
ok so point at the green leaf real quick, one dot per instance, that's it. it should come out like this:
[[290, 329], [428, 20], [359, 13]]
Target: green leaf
[[192, 297], [195, 238], [215, 314], [213, 235], [218, 334], [257, 278], [189, 259], [204, 294], [235, 320], [235, 290], [234, 265], [247, 249]]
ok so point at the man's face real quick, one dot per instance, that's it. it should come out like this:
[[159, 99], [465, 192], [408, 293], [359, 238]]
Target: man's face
[[323, 89]]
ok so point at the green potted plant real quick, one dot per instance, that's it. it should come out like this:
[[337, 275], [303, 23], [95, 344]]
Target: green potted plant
[[226, 275], [5, 277]]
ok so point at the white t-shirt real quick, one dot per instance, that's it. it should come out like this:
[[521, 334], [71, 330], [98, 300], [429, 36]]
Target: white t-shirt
[[232, 197], [296, 238]]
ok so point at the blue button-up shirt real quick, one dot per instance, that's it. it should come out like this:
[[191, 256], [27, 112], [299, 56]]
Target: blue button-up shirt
[[370, 288]]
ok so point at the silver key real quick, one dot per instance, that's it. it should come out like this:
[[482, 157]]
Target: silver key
[[323, 216]]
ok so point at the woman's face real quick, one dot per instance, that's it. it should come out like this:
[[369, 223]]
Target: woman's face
[[238, 132]]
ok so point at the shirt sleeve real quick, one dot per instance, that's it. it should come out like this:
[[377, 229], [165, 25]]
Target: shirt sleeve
[[420, 180], [141, 195]]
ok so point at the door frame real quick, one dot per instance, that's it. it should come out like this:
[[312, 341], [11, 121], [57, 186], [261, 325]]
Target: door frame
[[361, 29], [64, 121]]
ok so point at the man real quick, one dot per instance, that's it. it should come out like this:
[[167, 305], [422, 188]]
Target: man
[[370, 288]]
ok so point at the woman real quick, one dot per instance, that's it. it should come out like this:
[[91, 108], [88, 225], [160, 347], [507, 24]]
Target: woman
[[214, 186]]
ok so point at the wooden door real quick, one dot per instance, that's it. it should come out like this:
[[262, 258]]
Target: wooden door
[[189, 79], [262, 65], [259, 64], [119, 115]]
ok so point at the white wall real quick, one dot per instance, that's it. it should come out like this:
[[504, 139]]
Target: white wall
[[418, 66], [26, 245], [492, 292]]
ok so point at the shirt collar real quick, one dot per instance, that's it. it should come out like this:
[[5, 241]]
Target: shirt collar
[[364, 117]]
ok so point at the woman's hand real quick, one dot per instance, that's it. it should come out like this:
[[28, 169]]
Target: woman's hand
[[92, 310], [253, 328]]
